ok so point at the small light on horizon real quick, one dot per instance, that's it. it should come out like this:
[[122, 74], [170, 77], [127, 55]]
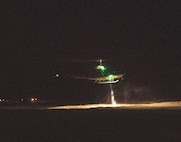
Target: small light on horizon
[[2, 100], [34, 99]]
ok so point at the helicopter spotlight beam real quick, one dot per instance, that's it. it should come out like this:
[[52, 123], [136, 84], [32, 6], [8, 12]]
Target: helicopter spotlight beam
[[113, 101]]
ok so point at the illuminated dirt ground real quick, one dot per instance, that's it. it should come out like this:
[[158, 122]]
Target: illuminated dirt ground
[[154, 122], [176, 104]]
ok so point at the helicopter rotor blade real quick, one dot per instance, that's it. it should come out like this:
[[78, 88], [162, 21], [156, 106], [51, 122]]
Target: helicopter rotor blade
[[83, 60]]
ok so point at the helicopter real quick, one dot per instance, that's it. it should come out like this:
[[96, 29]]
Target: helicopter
[[109, 79]]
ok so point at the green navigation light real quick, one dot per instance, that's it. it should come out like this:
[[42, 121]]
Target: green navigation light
[[100, 67], [103, 68], [110, 76]]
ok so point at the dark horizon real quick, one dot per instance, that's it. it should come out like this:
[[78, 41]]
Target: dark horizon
[[138, 38]]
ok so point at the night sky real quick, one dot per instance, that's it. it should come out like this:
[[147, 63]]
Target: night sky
[[42, 38]]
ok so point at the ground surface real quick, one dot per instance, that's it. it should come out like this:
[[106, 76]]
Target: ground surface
[[90, 125]]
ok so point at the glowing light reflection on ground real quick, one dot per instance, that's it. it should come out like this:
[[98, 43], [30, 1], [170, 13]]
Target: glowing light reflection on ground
[[176, 104]]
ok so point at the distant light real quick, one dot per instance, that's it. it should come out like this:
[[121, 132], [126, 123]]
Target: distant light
[[34, 99], [57, 75], [22, 99], [2, 100]]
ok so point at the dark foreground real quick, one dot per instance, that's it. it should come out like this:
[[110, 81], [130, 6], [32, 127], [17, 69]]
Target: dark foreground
[[94, 125]]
